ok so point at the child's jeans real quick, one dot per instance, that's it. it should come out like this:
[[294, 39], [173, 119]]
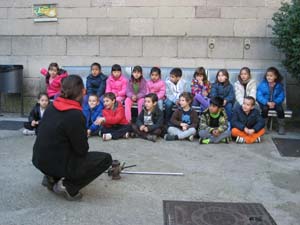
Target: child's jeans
[[182, 134], [168, 109], [206, 134], [278, 109], [128, 105], [160, 104], [117, 131], [228, 110]]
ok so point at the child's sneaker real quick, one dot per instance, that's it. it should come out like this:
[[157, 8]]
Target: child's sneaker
[[191, 138], [107, 137], [28, 132], [240, 140], [205, 141], [152, 138], [225, 140], [258, 140], [169, 137], [126, 136]]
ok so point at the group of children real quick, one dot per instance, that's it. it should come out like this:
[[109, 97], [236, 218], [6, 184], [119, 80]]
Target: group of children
[[226, 110]]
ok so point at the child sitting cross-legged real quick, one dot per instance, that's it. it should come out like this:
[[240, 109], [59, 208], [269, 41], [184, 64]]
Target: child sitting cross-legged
[[113, 121], [248, 124], [214, 123], [184, 120], [150, 121], [91, 112]]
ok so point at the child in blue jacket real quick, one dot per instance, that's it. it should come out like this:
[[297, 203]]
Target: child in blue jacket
[[91, 112], [223, 88], [270, 95]]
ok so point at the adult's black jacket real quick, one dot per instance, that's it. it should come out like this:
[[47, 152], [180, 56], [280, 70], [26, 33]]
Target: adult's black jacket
[[61, 142]]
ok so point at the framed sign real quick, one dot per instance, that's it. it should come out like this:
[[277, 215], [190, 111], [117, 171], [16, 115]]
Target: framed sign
[[45, 13]]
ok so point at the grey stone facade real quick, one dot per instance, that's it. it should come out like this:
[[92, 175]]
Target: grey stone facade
[[129, 32]]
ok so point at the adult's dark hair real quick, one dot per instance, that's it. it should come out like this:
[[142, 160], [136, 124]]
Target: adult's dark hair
[[274, 70], [50, 67], [96, 64], [225, 72], [251, 99], [177, 72], [110, 95], [116, 67], [188, 96], [42, 94], [152, 96], [137, 69], [71, 87], [201, 71], [156, 70]]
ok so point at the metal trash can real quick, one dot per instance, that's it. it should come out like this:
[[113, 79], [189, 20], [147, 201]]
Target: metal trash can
[[11, 81]]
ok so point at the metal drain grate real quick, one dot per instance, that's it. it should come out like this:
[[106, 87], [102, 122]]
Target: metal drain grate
[[287, 147]]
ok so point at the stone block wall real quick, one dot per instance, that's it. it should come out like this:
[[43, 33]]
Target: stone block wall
[[136, 32]]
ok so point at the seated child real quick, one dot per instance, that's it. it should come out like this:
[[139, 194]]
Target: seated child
[[175, 86], [200, 88], [244, 86], [96, 81], [36, 114], [135, 92], [184, 120], [91, 112], [116, 83], [157, 86], [54, 76], [150, 121], [214, 123], [247, 123], [270, 95], [113, 121], [223, 88]]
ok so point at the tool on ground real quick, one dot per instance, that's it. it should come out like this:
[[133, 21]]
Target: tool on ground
[[116, 169]]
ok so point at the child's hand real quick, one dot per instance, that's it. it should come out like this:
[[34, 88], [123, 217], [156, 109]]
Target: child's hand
[[205, 93], [142, 127], [225, 102], [251, 131], [216, 132], [246, 130], [134, 98], [89, 132], [146, 129], [33, 123], [177, 102], [99, 121]]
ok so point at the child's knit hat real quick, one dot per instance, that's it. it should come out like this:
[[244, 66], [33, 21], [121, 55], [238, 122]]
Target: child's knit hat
[[217, 101]]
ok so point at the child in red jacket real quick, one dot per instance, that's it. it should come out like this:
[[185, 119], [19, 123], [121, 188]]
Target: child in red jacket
[[114, 123], [54, 76]]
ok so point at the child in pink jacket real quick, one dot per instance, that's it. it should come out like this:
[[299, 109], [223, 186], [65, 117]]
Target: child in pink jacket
[[116, 83], [53, 76], [157, 86], [136, 91]]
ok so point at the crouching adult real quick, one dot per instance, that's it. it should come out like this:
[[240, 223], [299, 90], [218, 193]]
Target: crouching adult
[[60, 151]]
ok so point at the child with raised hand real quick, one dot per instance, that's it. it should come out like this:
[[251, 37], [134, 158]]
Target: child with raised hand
[[200, 88], [244, 86], [36, 114], [157, 86], [270, 95], [150, 121], [117, 83], [91, 112], [175, 86], [54, 76], [223, 88], [113, 121], [96, 81], [213, 126], [184, 121], [135, 92], [247, 123]]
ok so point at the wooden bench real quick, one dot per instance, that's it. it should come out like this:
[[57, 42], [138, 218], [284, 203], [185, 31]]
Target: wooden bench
[[257, 74]]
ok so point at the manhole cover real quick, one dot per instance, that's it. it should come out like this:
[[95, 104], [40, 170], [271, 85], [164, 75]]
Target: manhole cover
[[215, 213], [11, 125], [288, 147]]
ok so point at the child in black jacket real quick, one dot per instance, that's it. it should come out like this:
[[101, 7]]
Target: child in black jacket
[[150, 121], [36, 115]]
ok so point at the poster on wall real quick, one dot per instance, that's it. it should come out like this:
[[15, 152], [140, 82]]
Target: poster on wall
[[45, 13]]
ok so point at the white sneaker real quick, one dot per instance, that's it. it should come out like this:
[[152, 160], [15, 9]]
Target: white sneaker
[[258, 140], [28, 132], [107, 137], [126, 136], [240, 140], [191, 138]]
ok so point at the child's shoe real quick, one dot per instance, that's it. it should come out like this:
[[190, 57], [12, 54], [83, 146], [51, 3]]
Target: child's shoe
[[126, 136], [28, 132], [152, 138], [107, 137], [169, 137], [191, 138], [205, 141], [258, 140], [225, 140], [240, 140]]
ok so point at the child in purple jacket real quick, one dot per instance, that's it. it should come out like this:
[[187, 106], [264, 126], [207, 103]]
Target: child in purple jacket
[[135, 92]]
